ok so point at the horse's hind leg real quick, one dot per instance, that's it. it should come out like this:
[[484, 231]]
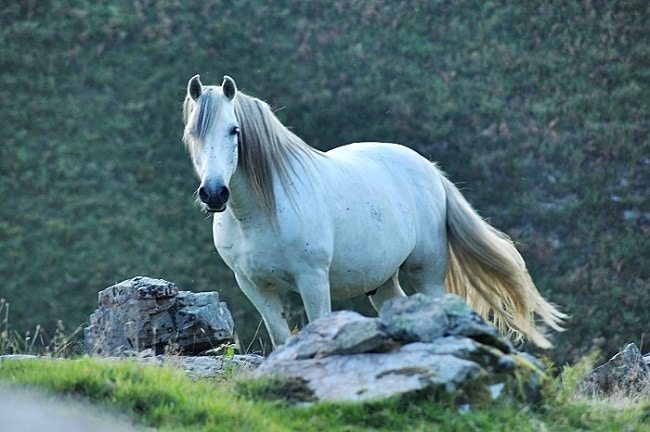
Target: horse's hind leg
[[388, 290], [426, 268]]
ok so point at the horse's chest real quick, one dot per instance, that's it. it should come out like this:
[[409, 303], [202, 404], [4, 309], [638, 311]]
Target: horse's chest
[[255, 254]]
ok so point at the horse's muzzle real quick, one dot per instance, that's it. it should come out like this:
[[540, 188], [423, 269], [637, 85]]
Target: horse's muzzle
[[215, 199]]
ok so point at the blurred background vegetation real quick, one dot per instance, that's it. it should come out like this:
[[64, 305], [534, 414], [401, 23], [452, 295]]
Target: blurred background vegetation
[[539, 110]]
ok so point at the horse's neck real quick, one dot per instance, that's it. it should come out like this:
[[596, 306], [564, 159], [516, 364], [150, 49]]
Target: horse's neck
[[242, 203]]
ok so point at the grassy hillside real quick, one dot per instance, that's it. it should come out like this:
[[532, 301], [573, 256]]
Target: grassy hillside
[[164, 399], [539, 110]]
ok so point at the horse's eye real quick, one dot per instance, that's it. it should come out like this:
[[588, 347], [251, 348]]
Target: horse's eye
[[234, 130]]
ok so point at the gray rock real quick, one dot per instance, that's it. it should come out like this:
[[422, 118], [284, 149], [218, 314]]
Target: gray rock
[[144, 313], [415, 318], [370, 376], [196, 367], [626, 372], [417, 344], [344, 332], [199, 367], [463, 321]]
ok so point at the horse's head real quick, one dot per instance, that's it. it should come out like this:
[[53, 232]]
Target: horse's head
[[211, 136]]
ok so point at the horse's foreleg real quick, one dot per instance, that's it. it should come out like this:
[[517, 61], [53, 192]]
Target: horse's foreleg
[[314, 288], [269, 304]]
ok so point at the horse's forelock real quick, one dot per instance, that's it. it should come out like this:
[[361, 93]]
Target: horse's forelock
[[207, 110]]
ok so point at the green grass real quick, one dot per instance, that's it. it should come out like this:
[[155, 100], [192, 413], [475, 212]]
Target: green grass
[[164, 398]]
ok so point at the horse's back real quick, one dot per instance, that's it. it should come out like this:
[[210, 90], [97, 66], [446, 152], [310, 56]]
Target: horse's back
[[397, 174]]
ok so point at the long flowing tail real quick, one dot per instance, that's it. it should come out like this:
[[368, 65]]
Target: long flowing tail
[[486, 269]]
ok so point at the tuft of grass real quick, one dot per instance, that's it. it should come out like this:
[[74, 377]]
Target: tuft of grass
[[60, 343], [566, 386]]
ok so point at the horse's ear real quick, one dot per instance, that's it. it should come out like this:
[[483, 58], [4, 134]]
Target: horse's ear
[[229, 87], [194, 87]]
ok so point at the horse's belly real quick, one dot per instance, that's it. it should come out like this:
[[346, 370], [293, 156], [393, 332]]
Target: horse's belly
[[375, 230], [365, 261], [352, 282]]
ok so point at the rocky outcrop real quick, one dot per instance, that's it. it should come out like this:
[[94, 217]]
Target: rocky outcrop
[[626, 373], [417, 344], [145, 313]]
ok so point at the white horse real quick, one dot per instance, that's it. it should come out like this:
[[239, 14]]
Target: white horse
[[339, 224]]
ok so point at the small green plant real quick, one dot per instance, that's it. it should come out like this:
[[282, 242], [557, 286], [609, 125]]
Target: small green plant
[[230, 366], [566, 386]]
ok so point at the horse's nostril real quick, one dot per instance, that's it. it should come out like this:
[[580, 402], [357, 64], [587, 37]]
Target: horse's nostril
[[204, 196], [223, 194]]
